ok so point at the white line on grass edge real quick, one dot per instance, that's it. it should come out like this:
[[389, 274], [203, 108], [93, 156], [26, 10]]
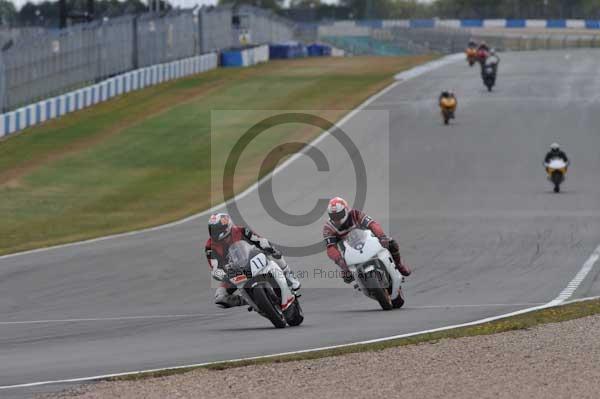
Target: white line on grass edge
[[559, 300]]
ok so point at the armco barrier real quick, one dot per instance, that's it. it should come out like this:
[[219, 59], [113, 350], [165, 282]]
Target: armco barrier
[[556, 23], [471, 23], [34, 114], [361, 28], [245, 57]]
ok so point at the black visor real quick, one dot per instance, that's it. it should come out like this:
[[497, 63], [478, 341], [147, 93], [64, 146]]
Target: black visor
[[215, 230], [338, 216]]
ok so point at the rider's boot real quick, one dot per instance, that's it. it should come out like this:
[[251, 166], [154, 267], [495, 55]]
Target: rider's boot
[[292, 281], [226, 298], [395, 251]]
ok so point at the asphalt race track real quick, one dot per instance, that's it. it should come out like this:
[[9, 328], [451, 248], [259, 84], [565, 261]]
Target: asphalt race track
[[469, 204]]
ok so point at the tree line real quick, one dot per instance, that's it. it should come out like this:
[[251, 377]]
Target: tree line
[[46, 12], [453, 9]]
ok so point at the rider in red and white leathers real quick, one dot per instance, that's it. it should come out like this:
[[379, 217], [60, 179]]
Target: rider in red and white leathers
[[223, 233], [342, 220]]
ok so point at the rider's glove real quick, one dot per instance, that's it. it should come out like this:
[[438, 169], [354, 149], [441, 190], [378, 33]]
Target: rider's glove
[[347, 276], [275, 253], [219, 274], [385, 241]]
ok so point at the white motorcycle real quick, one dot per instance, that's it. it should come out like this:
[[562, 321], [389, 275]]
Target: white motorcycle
[[557, 171], [373, 268], [262, 284]]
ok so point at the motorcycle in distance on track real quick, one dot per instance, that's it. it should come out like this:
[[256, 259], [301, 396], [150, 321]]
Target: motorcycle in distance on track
[[448, 108], [263, 285], [373, 268], [488, 74], [471, 54], [557, 171]]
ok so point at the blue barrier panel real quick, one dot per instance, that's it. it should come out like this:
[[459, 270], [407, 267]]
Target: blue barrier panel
[[471, 23], [592, 24], [232, 58], [516, 23], [422, 23], [318, 50], [287, 50], [556, 23]]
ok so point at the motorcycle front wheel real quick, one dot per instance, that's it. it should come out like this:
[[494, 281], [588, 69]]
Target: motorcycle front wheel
[[265, 299], [373, 283]]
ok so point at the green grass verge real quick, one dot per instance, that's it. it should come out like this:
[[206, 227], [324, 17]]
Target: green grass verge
[[520, 322], [143, 159]]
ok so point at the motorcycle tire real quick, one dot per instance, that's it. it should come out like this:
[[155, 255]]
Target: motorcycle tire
[[294, 315], [557, 188], [263, 298], [446, 121]]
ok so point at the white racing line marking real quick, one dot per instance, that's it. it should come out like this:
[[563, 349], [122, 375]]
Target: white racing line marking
[[118, 318], [400, 78], [578, 279], [560, 300]]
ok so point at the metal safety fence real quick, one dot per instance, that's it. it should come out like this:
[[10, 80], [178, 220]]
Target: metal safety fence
[[34, 67]]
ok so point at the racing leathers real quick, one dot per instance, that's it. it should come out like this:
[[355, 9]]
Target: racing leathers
[[552, 154], [216, 253], [333, 236]]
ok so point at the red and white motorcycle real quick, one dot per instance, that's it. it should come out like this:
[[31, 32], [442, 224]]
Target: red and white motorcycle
[[262, 284], [373, 268]]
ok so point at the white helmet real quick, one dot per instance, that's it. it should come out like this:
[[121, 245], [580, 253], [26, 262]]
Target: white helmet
[[338, 211], [493, 51], [219, 226], [554, 146]]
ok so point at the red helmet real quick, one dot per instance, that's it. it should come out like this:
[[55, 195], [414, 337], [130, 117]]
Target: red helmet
[[338, 211], [219, 226]]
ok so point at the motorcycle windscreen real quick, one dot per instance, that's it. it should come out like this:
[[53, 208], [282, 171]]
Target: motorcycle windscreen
[[357, 238], [246, 259]]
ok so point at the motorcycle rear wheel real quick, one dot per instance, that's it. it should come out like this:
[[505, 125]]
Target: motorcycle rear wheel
[[399, 301], [294, 315]]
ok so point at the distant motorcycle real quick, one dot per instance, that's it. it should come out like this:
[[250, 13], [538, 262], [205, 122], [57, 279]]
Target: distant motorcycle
[[557, 171], [263, 285], [489, 76], [472, 56], [448, 108], [373, 269]]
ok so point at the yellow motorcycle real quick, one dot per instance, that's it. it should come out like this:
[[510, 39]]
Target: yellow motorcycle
[[556, 170], [448, 108], [471, 54]]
